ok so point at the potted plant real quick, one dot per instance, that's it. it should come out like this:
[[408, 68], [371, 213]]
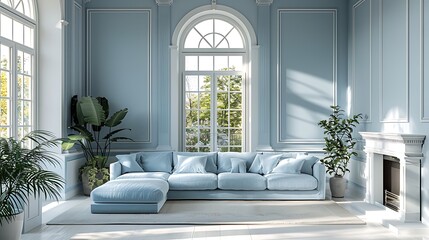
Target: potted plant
[[22, 174], [95, 135], [339, 147]]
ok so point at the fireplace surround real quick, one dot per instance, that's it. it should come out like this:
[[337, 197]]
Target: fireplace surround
[[408, 149]]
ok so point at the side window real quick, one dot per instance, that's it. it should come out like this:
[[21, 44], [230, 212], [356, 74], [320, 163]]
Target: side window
[[17, 64]]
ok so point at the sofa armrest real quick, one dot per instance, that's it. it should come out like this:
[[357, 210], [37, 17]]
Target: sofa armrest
[[115, 170], [319, 172]]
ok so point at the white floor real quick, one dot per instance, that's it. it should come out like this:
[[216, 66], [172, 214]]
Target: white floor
[[374, 229]]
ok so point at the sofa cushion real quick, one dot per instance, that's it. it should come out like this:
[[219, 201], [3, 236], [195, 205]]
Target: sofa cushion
[[289, 165], [238, 165], [287, 181], [241, 181], [287, 154], [140, 175], [155, 161], [129, 163], [193, 181], [264, 163], [211, 159], [191, 164], [309, 161], [224, 159], [131, 191]]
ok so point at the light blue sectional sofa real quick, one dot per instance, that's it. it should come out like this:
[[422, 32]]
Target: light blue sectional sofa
[[142, 182]]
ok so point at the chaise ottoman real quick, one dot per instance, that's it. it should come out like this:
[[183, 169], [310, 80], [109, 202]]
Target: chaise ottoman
[[146, 195]]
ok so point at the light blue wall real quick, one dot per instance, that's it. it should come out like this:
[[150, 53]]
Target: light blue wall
[[388, 59], [312, 36]]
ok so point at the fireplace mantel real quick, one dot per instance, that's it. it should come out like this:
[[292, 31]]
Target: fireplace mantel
[[408, 149]]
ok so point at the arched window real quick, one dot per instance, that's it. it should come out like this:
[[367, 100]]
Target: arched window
[[214, 55], [17, 67]]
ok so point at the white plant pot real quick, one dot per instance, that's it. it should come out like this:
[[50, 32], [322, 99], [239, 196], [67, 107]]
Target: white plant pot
[[338, 186], [13, 230]]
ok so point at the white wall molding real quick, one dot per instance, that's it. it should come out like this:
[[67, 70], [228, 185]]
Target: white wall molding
[[264, 2], [279, 138], [423, 115], [164, 2], [90, 14], [398, 119], [353, 78]]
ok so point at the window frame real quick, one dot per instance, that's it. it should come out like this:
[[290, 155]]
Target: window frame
[[244, 52], [15, 47]]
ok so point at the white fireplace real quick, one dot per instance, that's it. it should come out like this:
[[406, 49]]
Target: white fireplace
[[408, 149]]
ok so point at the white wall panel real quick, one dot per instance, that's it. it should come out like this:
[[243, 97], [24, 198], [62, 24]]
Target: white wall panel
[[394, 61], [119, 65], [361, 59], [307, 70]]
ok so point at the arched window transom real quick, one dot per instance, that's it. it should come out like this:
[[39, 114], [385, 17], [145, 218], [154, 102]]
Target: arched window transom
[[23, 6], [214, 33]]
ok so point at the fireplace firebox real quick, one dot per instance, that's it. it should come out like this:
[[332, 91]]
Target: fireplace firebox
[[391, 182]]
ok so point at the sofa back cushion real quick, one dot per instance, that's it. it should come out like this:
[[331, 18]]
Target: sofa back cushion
[[224, 160], [309, 161], [287, 154], [129, 163], [156, 161], [211, 159]]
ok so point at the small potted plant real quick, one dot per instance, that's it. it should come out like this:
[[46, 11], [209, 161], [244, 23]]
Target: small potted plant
[[22, 174], [339, 147], [95, 135]]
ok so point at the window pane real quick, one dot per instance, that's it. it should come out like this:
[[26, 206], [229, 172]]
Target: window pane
[[205, 101], [235, 118], [7, 2], [191, 100], [5, 57], [236, 83], [191, 63], [192, 40], [27, 64], [27, 113], [222, 101], [222, 83], [28, 41], [192, 149], [19, 111], [19, 85], [204, 83], [18, 32], [191, 118], [235, 149], [5, 113], [205, 119], [236, 63], [4, 132], [222, 27], [191, 83], [6, 26], [221, 63], [222, 137], [236, 137], [204, 149], [234, 39], [206, 63], [222, 118], [191, 136], [205, 27], [220, 42], [4, 85], [205, 137], [19, 62], [235, 101], [27, 88]]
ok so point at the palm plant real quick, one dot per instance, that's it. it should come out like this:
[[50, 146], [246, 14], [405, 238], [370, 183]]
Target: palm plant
[[95, 135], [22, 172]]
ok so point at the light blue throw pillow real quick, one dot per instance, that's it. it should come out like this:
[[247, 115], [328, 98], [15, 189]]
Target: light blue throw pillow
[[309, 162], [264, 163], [191, 164], [156, 161], [129, 163], [289, 165], [238, 165]]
